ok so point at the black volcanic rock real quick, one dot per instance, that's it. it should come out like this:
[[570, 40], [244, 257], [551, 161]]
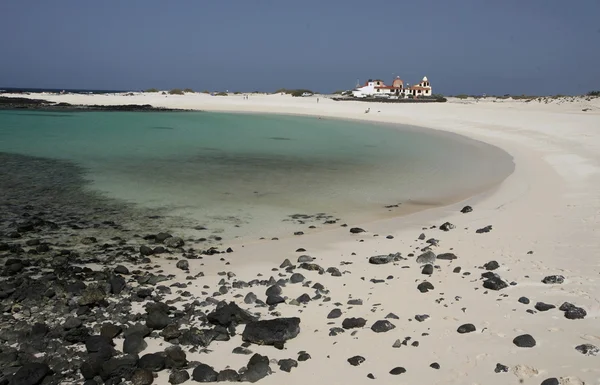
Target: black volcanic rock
[[227, 314], [494, 282], [572, 311], [427, 257], [427, 269], [204, 373], [588, 349], [356, 230], [228, 375], [491, 265], [257, 368], [274, 300], [175, 357], [466, 328], [356, 360], [157, 320], [550, 381], [541, 306], [398, 370], [553, 279], [447, 256], [447, 226], [384, 259], [524, 341], [270, 332], [134, 344], [483, 230], [382, 326], [178, 377], [501, 368], [287, 364], [466, 209], [334, 313], [424, 287], [524, 300], [352, 323], [153, 361], [32, 373]]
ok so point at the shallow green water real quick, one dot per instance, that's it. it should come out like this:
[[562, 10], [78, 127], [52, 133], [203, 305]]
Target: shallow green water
[[223, 170]]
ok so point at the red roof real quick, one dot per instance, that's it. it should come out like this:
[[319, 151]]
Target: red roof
[[388, 87]]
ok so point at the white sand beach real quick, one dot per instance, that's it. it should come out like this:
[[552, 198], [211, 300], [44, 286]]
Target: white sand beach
[[545, 221]]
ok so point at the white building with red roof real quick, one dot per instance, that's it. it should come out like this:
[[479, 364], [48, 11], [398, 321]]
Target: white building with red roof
[[377, 88]]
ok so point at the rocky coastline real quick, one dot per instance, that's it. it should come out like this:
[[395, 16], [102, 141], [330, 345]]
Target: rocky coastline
[[20, 103]]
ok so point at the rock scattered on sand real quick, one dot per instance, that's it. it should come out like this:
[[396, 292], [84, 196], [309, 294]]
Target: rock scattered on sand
[[501, 368], [356, 230], [424, 287], [356, 360], [397, 370], [572, 311], [383, 259], [466, 209], [491, 265], [32, 373], [524, 300], [483, 230], [297, 278], [421, 317], [541, 306], [551, 381], [466, 328], [352, 323], [434, 365], [287, 364], [524, 341], [183, 264], [427, 257], [270, 332], [447, 226], [427, 269], [228, 375], [553, 280], [588, 349], [335, 313], [447, 256], [382, 326], [204, 373], [178, 376], [494, 282]]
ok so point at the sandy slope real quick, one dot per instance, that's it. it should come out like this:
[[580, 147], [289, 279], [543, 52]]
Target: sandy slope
[[550, 206]]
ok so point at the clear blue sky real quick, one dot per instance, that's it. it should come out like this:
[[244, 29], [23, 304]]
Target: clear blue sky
[[463, 46]]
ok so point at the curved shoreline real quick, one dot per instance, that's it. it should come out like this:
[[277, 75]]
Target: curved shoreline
[[545, 222]]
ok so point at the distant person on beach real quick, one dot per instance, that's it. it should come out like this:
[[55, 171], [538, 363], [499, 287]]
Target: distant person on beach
[[317, 100]]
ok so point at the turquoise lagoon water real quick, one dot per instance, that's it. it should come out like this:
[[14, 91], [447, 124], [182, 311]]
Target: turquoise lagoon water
[[246, 174]]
